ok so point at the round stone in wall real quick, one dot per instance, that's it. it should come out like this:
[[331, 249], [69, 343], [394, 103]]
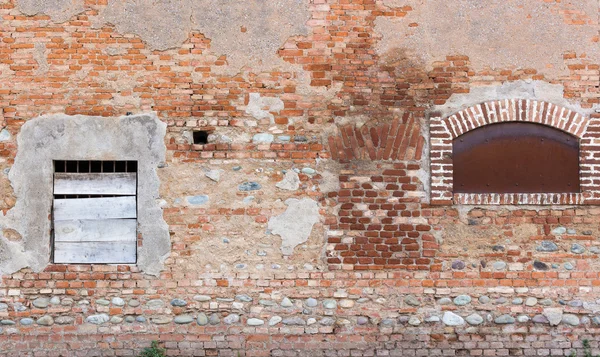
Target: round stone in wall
[[243, 298], [97, 319], [178, 302], [275, 320], [540, 265], [458, 265], [445, 301], [474, 319], [231, 319], [484, 299], [255, 322], [462, 300], [155, 304], [570, 319], [499, 265], [214, 319], [347, 303], [102, 302], [414, 321], [504, 319], [310, 302], [41, 302], [330, 304], [531, 301], [202, 319], [134, 303], [202, 298], [64, 320], [286, 302], [45, 320], [452, 319], [183, 319], [547, 246], [577, 248], [412, 301]]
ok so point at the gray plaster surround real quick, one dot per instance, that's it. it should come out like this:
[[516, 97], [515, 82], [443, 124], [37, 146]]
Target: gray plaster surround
[[62, 137]]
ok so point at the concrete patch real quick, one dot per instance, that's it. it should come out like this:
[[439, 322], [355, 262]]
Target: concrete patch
[[290, 182], [62, 137], [250, 32], [247, 32], [535, 90], [262, 107], [162, 24], [58, 10], [295, 224]]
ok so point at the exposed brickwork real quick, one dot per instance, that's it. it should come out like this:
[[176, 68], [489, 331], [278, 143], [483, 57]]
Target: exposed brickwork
[[379, 223], [399, 140], [380, 256]]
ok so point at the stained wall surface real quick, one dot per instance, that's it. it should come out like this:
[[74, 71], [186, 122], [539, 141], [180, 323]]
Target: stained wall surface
[[308, 223]]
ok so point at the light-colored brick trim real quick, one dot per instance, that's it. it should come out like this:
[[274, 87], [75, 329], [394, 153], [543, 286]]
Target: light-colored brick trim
[[444, 130]]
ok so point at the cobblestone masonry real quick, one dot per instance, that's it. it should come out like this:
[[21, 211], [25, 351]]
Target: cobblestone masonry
[[343, 119]]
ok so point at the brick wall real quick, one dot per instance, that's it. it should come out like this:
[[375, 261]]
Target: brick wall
[[394, 266]]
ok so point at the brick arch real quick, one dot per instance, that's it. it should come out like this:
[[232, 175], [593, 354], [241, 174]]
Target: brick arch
[[399, 139], [444, 130], [510, 110]]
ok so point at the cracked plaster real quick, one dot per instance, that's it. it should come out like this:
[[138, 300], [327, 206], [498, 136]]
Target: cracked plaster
[[493, 33]]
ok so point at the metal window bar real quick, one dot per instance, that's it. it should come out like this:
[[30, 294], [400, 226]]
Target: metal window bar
[[91, 166]]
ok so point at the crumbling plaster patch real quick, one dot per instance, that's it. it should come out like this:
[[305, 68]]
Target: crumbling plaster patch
[[261, 107], [59, 10], [61, 137], [41, 57], [225, 243], [493, 33], [534, 90], [248, 32], [162, 24], [295, 224]]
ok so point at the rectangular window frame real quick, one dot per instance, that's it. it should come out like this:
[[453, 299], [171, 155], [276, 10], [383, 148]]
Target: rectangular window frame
[[94, 212]]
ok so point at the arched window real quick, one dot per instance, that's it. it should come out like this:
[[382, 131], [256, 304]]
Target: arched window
[[516, 151], [515, 157]]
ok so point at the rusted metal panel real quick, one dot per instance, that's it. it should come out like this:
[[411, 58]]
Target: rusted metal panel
[[515, 158]]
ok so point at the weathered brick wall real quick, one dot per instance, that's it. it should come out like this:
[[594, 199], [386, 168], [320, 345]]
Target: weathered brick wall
[[335, 124]]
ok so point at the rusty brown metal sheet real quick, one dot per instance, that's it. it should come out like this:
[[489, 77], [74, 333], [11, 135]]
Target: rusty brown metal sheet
[[515, 158]]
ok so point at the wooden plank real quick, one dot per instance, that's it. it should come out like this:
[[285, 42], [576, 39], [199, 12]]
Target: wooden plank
[[94, 208], [95, 252], [106, 230], [95, 184]]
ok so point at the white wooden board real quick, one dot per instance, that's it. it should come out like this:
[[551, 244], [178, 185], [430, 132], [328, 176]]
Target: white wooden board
[[95, 184], [94, 208], [95, 252], [105, 230]]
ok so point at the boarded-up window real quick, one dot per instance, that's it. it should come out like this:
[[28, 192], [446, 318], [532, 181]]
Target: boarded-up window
[[95, 212]]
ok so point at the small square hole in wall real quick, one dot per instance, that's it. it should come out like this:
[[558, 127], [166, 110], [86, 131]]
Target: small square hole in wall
[[201, 137]]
